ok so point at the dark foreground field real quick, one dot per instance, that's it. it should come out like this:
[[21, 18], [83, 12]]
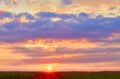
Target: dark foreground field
[[59, 75]]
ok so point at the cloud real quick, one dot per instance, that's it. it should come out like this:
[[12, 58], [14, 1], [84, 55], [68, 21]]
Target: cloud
[[62, 6], [27, 15], [49, 50], [69, 27], [66, 2], [4, 14], [77, 59], [44, 40]]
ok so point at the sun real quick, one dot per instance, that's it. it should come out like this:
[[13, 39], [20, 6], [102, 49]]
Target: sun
[[49, 68]]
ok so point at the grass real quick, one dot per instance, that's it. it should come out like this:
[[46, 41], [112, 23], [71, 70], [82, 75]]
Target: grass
[[60, 75]]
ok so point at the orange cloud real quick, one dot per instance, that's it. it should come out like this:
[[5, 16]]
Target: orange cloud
[[49, 43], [96, 7], [8, 57], [65, 56], [25, 20], [5, 20]]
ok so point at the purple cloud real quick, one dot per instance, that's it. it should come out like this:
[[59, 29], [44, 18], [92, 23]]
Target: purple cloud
[[66, 2], [86, 59], [70, 27], [4, 14]]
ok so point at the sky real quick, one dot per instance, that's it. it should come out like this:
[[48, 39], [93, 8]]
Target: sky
[[66, 35]]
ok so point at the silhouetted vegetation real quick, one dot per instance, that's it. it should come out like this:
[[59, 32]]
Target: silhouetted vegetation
[[59, 75]]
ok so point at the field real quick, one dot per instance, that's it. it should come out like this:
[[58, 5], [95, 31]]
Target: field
[[59, 75]]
